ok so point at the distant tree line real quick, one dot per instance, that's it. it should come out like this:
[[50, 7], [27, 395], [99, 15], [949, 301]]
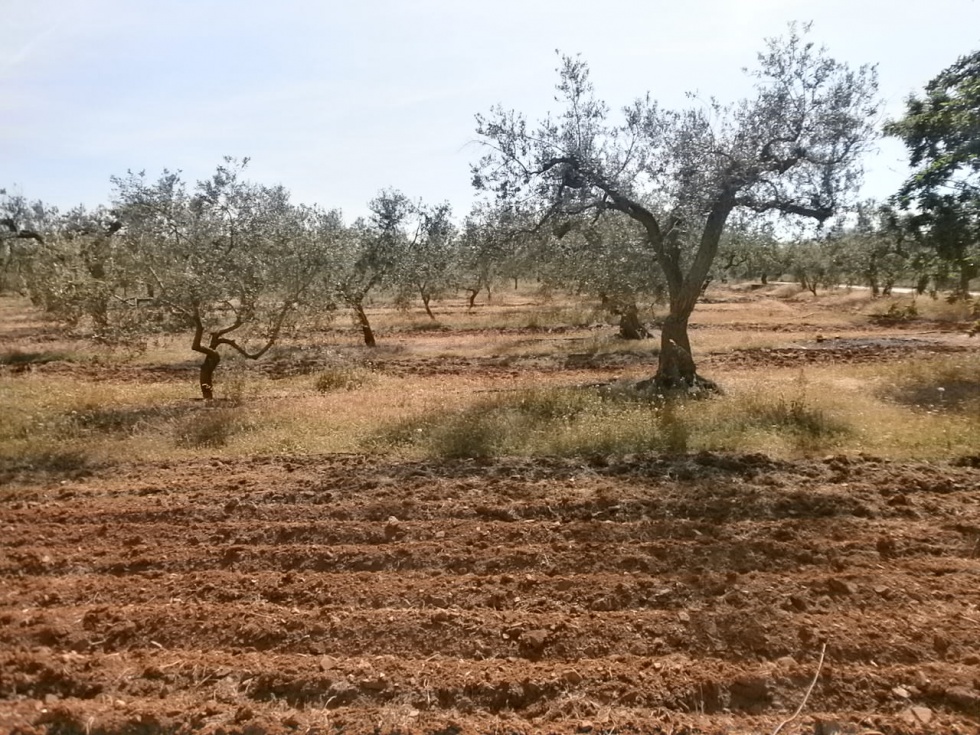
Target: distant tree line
[[235, 264], [644, 209]]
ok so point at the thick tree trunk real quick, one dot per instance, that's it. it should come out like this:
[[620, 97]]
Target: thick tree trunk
[[100, 316], [425, 303], [630, 326], [968, 272], [471, 299], [211, 357], [210, 364], [676, 368], [365, 325]]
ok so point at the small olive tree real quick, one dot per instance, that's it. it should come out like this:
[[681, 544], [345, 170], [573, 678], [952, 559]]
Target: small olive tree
[[84, 274], [794, 148], [817, 262], [494, 243], [370, 253], [229, 261], [750, 250], [876, 252], [427, 263], [607, 258], [22, 227]]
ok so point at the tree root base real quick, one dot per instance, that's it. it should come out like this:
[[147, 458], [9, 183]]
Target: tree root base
[[671, 386]]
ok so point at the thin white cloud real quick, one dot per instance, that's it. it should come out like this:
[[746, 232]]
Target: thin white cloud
[[19, 51]]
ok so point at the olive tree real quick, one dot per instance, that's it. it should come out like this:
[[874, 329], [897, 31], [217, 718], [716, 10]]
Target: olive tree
[[72, 264], [607, 258], [427, 263], [369, 256], [82, 272], [22, 224], [941, 130], [494, 244], [229, 261], [817, 262], [750, 250], [793, 147], [876, 252]]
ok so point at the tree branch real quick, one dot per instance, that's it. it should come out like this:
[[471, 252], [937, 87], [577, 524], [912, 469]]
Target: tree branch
[[197, 345], [819, 213], [273, 336]]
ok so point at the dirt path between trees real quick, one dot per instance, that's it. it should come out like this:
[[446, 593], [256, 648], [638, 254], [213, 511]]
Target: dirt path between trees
[[356, 594]]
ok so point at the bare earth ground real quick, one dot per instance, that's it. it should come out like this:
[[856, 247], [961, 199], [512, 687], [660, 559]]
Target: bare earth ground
[[358, 594]]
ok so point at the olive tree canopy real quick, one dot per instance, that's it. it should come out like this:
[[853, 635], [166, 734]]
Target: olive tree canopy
[[230, 261], [942, 133], [793, 147]]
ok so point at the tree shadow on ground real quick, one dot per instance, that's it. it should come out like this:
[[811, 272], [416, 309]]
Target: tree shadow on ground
[[46, 465]]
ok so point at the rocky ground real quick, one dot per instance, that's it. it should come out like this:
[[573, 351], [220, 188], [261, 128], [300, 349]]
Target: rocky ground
[[355, 594]]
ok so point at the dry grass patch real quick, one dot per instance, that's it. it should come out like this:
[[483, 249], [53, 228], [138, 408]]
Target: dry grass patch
[[945, 385], [25, 358], [342, 378], [211, 428], [856, 396], [784, 412], [61, 425], [615, 420], [788, 412], [906, 308], [526, 422], [322, 397], [304, 421]]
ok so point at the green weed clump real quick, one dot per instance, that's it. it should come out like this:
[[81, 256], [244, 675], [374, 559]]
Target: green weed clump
[[21, 358], [767, 416], [897, 313], [805, 425], [210, 428], [908, 308], [341, 378], [43, 462], [547, 421], [948, 384]]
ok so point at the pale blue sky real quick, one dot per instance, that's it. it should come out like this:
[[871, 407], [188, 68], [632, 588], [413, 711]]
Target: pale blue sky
[[337, 100]]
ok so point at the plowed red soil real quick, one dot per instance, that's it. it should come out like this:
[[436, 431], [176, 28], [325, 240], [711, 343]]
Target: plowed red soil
[[358, 594]]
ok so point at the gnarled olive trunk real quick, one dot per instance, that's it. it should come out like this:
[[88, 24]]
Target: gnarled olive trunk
[[630, 326], [676, 368], [212, 358], [968, 271], [208, 367], [426, 297], [365, 325]]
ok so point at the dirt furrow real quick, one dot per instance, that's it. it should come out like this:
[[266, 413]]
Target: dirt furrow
[[346, 594]]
